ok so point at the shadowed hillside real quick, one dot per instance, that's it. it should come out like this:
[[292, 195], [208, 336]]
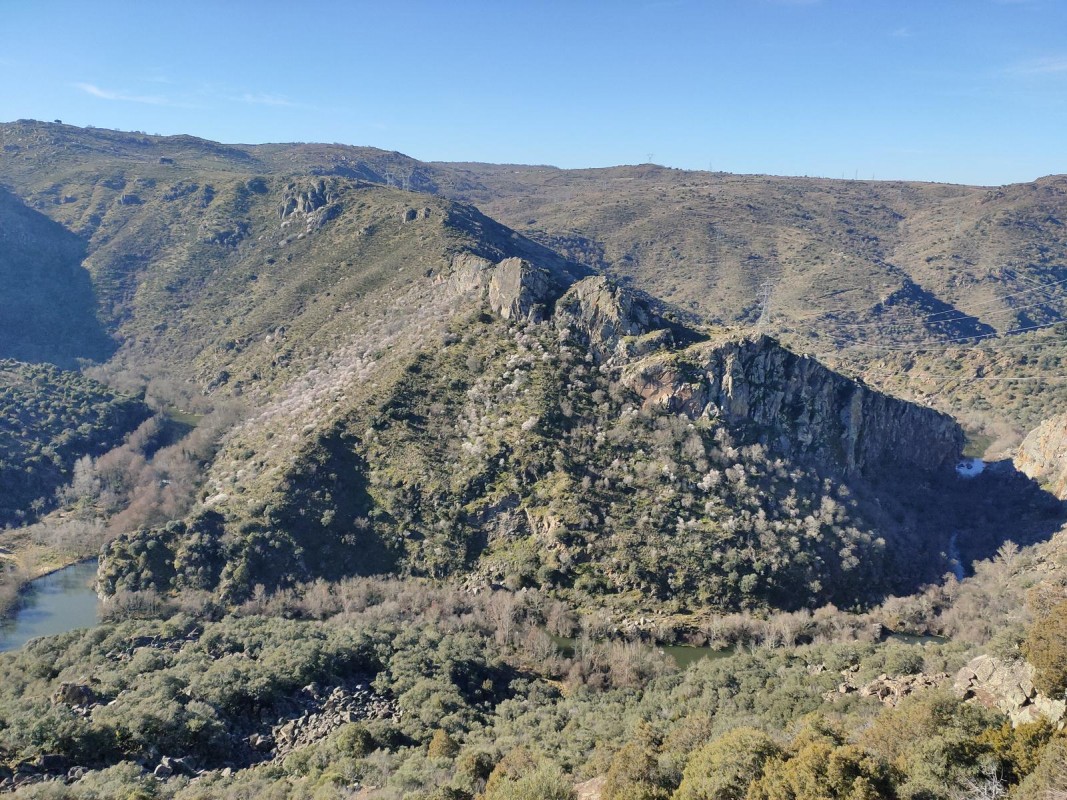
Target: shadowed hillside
[[48, 310]]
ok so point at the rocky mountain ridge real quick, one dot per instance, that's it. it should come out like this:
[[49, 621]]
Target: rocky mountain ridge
[[501, 453], [430, 392]]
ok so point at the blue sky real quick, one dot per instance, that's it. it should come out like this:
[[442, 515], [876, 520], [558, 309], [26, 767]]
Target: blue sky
[[973, 91]]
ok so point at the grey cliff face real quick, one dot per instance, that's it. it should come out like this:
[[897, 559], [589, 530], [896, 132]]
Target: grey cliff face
[[603, 314], [1009, 687], [798, 407]]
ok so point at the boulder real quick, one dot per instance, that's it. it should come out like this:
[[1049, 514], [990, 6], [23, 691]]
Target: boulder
[[73, 694], [1009, 687]]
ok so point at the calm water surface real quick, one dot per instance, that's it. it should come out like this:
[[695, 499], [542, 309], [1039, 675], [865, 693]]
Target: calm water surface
[[56, 603]]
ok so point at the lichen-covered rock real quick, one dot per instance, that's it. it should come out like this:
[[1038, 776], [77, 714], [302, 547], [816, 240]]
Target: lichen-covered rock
[[515, 288], [603, 314], [796, 406], [1043, 455], [520, 290], [1008, 686]]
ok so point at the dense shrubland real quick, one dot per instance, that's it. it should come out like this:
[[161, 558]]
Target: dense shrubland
[[489, 706], [512, 453], [49, 419]]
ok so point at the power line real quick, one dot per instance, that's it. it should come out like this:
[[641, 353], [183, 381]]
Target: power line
[[764, 299]]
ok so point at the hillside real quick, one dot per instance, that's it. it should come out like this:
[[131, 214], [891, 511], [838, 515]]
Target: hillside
[[49, 419], [592, 450], [999, 389], [848, 262], [1043, 455], [432, 393], [423, 495]]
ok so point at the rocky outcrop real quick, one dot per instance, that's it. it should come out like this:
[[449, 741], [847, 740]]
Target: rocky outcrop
[[314, 204], [1008, 686], [519, 290], [322, 713], [73, 694], [1043, 455], [796, 406], [889, 690], [515, 288], [602, 314]]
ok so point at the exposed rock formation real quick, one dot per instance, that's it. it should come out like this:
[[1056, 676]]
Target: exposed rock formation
[[322, 713], [314, 204], [1043, 455], [602, 314], [519, 290], [796, 406], [516, 289], [73, 694], [888, 690], [1009, 686]]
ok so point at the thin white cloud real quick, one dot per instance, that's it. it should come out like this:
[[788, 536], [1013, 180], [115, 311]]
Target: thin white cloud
[[125, 97], [267, 99], [1051, 65], [902, 33]]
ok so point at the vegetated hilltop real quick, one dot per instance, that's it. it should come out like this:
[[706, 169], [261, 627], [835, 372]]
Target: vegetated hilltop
[[211, 280], [563, 436], [909, 260], [849, 261]]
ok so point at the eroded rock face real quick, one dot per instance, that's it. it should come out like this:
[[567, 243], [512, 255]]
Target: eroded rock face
[[1043, 455], [313, 204], [1008, 686], [322, 712], [796, 406], [516, 289], [519, 290], [603, 314]]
